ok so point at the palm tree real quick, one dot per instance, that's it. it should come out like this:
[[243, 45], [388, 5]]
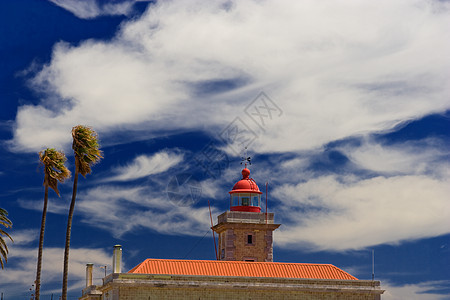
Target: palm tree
[[54, 171], [86, 149], [3, 248]]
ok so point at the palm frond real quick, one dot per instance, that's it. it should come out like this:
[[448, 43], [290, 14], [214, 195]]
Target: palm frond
[[3, 243], [86, 148], [3, 247], [5, 222], [2, 232], [55, 169], [4, 218], [4, 254]]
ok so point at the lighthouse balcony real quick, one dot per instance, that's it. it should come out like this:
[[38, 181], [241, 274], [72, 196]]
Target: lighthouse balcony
[[245, 217]]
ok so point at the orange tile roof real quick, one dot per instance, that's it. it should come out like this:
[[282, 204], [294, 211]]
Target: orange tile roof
[[240, 269]]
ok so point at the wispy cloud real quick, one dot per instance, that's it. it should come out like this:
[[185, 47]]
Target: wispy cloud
[[383, 194], [89, 9], [147, 205], [337, 69], [20, 271], [106, 207], [342, 213], [428, 290], [56, 205], [411, 157], [146, 165]]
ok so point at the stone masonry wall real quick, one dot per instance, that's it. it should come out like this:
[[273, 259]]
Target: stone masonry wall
[[233, 229], [257, 250], [146, 286], [146, 293]]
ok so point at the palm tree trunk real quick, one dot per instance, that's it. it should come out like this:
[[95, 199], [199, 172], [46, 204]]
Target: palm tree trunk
[[69, 228], [41, 245]]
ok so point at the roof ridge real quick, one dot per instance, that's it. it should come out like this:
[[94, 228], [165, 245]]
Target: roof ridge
[[342, 271], [240, 268], [238, 261]]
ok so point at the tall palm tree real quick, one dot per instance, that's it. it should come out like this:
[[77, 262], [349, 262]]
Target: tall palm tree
[[3, 247], [86, 149], [54, 171]]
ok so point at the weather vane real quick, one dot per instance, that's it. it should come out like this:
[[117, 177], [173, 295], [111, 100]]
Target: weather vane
[[246, 159]]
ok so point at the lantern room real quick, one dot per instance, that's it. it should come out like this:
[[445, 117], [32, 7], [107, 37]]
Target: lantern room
[[245, 195]]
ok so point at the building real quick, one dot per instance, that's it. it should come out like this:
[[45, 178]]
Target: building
[[244, 268], [245, 233]]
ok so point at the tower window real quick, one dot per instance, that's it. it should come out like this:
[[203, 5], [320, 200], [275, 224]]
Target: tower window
[[250, 239], [235, 200], [255, 200]]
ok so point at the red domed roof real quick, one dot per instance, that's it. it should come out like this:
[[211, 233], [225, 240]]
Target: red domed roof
[[246, 184]]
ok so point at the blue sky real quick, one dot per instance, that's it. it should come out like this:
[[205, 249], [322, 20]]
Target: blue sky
[[344, 108]]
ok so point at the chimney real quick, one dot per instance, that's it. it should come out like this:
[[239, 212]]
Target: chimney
[[117, 259], [89, 268]]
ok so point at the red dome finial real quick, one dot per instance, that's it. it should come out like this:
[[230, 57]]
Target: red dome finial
[[245, 173]]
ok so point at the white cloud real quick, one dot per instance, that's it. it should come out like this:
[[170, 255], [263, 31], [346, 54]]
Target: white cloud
[[412, 157], [339, 213], [144, 207], [146, 165], [89, 9], [106, 206], [336, 69], [20, 271], [405, 198], [148, 206], [55, 205], [428, 290]]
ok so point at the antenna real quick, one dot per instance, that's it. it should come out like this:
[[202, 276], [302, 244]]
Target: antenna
[[267, 190], [373, 264], [103, 267], [214, 237], [246, 158]]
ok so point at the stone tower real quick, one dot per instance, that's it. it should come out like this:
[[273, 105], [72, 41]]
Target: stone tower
[[245, 233]]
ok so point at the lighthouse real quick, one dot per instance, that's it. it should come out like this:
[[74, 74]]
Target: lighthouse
[[245, 233]]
